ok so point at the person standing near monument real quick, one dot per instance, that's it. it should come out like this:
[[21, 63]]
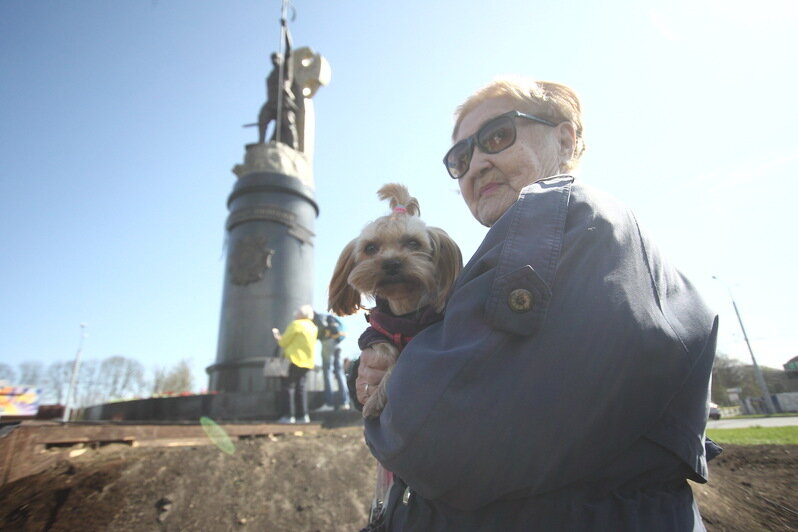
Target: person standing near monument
[[299, 347], [331, 334]]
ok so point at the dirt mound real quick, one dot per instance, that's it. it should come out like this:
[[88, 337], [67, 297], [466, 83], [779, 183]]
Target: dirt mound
[[316, 481], [751, 488]]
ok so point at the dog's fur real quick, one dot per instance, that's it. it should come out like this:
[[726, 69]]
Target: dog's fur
[[400, 259]]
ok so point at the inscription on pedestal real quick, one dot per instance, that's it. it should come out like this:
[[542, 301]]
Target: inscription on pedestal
[[271, 214]]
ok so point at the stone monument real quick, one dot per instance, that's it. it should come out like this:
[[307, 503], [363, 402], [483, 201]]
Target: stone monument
[[269, 267]]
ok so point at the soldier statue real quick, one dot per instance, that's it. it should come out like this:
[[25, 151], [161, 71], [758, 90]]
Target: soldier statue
[[282, 106]]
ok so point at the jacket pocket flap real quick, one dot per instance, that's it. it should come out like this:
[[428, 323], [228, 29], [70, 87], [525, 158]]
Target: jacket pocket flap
[[518, 302]]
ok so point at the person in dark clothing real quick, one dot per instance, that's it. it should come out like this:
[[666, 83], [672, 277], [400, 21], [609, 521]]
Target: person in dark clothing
[[566, 387]]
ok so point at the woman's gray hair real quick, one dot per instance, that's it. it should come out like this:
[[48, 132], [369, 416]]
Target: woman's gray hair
[[549, 100], [305, 311]]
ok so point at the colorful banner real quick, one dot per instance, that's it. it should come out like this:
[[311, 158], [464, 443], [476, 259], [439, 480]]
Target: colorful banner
[[18, 401]]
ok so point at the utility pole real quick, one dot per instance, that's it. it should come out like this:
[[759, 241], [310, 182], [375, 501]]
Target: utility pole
[[769, 406], [73, 379]]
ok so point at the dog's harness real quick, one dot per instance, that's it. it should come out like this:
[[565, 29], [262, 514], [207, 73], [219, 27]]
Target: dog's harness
[[398, 330], [398, 339]]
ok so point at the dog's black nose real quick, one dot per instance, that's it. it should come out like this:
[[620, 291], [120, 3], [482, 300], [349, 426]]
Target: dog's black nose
[[391, 266]]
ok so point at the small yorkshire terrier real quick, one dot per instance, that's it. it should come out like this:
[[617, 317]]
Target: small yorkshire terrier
[[406, 267]]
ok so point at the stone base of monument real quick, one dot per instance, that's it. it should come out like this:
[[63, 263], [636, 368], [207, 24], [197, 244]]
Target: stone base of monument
[[254, 407]]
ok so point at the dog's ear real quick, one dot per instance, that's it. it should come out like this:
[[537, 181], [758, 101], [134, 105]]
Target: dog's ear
[[448, 263], [343, 299]]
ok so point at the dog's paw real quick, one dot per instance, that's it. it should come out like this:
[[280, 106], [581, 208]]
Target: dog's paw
[[373, 407], [376, 403]]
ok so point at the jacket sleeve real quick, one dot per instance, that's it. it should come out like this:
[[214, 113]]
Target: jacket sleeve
[[565, 339], [288, 336]]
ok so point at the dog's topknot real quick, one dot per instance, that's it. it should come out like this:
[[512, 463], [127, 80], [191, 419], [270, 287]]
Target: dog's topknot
[[399, 198]]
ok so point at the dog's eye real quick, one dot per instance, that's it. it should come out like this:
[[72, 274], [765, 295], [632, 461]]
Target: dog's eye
[[413, 244], [371, 249]]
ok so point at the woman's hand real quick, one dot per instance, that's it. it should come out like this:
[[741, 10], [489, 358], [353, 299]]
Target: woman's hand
[[370, 373]]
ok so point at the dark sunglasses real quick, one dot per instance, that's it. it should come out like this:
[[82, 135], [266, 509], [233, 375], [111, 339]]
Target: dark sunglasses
[[497, 134]]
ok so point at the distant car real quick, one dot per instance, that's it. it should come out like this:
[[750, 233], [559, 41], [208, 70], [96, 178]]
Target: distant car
[[714, 411]]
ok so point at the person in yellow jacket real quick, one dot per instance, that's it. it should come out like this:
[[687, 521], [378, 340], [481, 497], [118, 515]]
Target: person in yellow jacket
[[299, 346]]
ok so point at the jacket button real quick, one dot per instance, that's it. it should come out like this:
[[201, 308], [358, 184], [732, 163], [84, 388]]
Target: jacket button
[[520, 300]]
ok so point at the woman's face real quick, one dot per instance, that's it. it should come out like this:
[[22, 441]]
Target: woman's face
[[494, 181]]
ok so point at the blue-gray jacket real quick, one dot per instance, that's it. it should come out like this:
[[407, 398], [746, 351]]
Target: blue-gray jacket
[[566, 387]]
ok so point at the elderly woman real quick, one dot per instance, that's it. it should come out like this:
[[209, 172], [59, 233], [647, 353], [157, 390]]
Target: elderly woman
[[566, 388], [299, 346]]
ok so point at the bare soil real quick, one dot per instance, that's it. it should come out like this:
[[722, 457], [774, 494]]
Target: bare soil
[[313, 481], [751, 488]]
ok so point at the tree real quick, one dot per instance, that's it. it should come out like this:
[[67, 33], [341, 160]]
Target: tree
[[88, 388], [7, 374], [778, 381], [176, 380], [726, 373], [56, 382], [120, 378], [730, 373], [30, 374], [158, 379]]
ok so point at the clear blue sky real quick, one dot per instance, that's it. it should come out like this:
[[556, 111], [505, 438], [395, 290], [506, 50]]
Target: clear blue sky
[[120, 123]]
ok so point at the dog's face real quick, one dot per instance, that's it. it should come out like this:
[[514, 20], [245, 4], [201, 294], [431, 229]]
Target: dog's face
[[399, 259], [394, 261]]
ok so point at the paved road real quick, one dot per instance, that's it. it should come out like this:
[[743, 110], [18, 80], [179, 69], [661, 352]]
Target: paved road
[[779, 421]]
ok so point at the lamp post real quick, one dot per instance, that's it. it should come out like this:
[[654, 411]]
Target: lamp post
[[769, 406], [75, 368]]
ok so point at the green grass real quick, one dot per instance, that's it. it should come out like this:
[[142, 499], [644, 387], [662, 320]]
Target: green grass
[[756, 436]]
